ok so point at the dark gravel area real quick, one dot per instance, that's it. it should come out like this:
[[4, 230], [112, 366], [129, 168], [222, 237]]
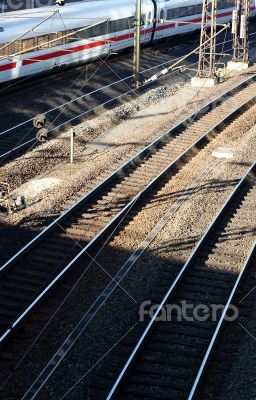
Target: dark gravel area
[[120, 313], [112, 322]]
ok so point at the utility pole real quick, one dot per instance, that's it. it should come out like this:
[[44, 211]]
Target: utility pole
[[240, 31], [206, 72], [206, 64], [137, 36]]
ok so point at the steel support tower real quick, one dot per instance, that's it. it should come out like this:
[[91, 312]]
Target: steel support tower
[[240, 24], [207, 52]]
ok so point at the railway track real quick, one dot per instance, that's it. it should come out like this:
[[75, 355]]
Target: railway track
[[170, 358], [85, 97], [22, 136], [229, 337], [29, 276]]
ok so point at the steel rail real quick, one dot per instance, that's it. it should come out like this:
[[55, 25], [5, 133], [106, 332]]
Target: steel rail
[[33, 140], [215, 336], [130, 162], [140, 156], [70, 341], [128, 365]]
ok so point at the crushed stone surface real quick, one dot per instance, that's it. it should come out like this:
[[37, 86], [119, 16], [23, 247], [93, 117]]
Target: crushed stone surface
[[103, 143], [173, 244], [101, 146]]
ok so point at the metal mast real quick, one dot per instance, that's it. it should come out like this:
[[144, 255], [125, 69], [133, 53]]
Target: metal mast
[[240, 31], [207, 52], [137, 35]]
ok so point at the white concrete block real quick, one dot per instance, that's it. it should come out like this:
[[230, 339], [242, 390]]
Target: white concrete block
[[237, 66], [203, 82], [223, 152]]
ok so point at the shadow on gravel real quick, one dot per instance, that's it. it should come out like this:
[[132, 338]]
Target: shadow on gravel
[[98, 354], [14, 236], [149, 278], [210, 186]]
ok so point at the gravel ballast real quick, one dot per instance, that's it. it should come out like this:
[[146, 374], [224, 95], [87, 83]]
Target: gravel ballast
[[174, 243]]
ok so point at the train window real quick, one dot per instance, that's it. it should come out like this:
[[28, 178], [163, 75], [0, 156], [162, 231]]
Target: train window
[[191, 10], [42, 41], [27, 44], [131, 22], [161, 14], [12, 48], [15, 47], [229, 3], [173, 13], [55, 36], [199, 8], [170, 14], [149, 21], [5, 51], [97, 30], [225, 3], [183, 12], [120, 24], [74, 37]]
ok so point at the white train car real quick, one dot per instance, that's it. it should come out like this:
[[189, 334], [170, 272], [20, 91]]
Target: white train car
[[29, 46]]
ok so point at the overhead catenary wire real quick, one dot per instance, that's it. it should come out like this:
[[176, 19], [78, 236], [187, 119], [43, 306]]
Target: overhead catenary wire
[[38, 46], [54, 363], [149, 79], [35, 140], [67, 295], [15, 83], [28, 31], [175, 65], [91, 110]]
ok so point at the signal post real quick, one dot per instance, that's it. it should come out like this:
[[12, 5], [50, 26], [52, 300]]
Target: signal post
[[240, 23]]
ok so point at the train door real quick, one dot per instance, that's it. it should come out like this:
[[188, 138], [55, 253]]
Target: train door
[[161, 17], [147, 25]]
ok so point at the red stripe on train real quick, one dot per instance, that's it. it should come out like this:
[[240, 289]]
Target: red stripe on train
[[87, 46], [77, 48], [104, 42], [7, 66]]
